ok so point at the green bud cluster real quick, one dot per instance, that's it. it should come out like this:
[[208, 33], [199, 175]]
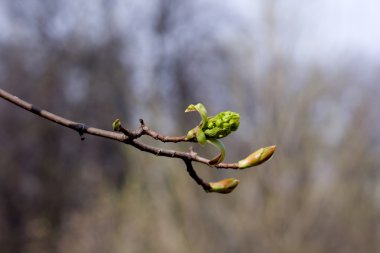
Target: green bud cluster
[[213, 128], [221, 125]]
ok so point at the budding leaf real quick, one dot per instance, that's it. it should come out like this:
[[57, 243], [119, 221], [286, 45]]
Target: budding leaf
[[116, 125], [258, 157], [224, 186], [213, 128]]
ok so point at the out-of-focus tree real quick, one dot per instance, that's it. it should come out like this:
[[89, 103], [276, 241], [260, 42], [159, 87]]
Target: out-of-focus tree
[[49, 176]]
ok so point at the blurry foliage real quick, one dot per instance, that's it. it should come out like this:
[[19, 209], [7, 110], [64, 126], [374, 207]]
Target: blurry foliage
[[58, 194]]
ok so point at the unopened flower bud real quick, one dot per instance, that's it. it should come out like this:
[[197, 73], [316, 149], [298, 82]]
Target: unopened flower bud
[[224, 186], [258, 157], [221, 125]]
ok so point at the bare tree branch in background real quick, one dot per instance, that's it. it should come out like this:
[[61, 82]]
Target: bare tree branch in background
[[130, 137]]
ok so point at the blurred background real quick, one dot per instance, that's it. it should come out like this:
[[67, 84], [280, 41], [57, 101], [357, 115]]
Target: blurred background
[[303, 75]]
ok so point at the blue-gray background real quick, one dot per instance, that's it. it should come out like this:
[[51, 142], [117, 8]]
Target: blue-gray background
[[304, 75]]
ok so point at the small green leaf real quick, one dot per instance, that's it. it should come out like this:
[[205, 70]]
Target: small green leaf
[[201, 109], [219, 158], [201, 137]]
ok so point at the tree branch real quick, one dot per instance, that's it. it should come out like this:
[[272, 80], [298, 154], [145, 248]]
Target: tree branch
[[130, 137], [127, 136], [189, 166], [79, 127]]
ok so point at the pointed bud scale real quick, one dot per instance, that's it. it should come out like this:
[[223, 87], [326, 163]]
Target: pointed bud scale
[[224, 186], [116, 125], [258, 157]]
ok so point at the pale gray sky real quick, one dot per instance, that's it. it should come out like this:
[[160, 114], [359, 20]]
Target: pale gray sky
[[313, 30], [326, 28]]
